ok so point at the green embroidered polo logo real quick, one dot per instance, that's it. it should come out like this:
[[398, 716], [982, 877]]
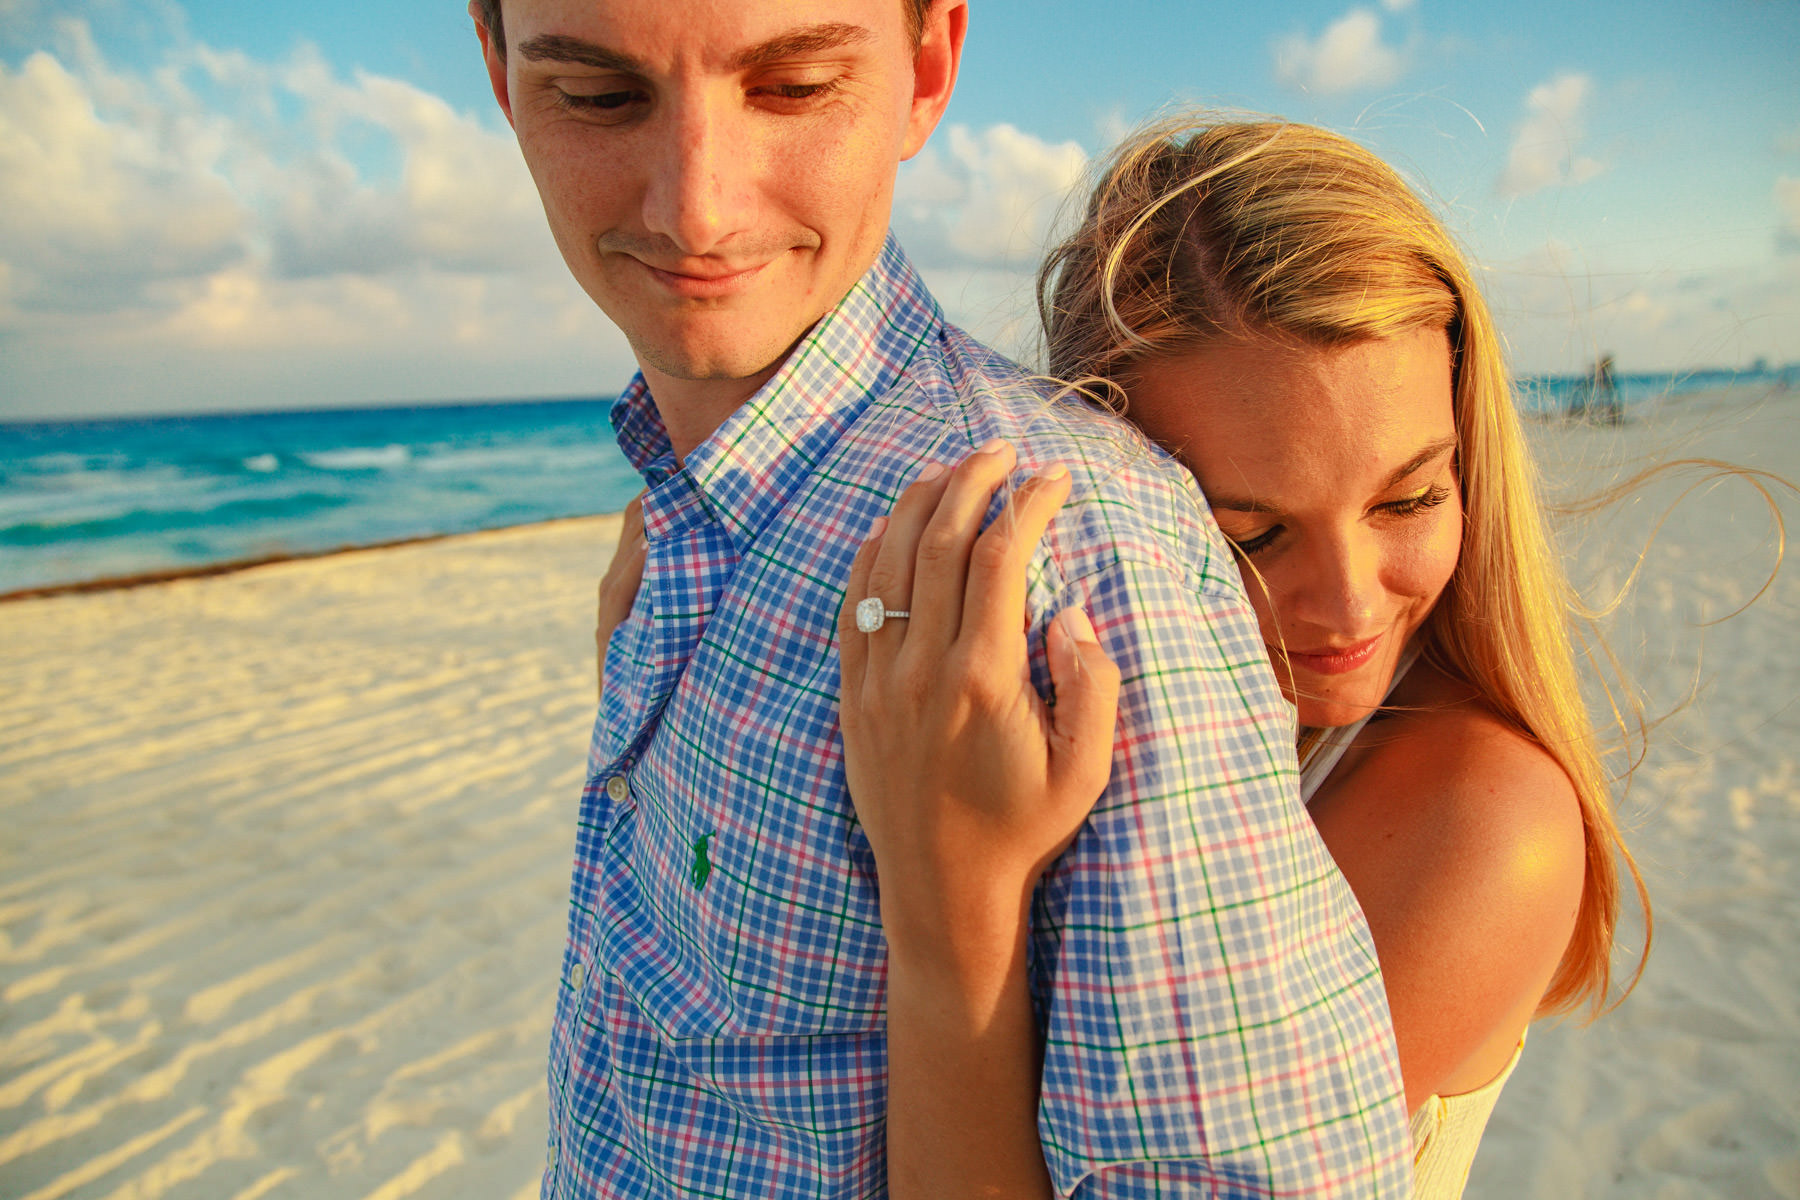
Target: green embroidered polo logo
[[702, 869]]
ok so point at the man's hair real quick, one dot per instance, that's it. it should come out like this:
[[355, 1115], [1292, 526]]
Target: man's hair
[[491, 19], [1203, 231]]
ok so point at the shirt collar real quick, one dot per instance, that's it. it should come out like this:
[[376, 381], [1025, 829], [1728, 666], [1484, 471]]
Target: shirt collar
[[777, 438]]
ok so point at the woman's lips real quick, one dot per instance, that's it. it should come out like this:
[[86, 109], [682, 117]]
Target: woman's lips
[[1335, 662]]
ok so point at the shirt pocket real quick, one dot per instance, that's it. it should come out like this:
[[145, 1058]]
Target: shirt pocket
[[743, 901]]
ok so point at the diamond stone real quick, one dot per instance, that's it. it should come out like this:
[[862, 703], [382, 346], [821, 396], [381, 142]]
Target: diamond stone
[[870, 615]]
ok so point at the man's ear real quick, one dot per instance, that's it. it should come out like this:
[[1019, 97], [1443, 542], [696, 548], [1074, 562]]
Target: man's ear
[[934, 69], [494, 59]]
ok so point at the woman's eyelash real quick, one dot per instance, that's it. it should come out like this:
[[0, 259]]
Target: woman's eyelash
[[1261, 541], [1430, 498], [1412, 506]]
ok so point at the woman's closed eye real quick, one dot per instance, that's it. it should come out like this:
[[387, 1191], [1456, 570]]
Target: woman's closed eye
[[1419, 502], [1256, 543]]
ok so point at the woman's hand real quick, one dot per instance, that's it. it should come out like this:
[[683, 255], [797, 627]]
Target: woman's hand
[[967, 786], [966, 783], [619, 586]]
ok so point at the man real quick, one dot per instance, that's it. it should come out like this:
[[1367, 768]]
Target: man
[[719, 179]]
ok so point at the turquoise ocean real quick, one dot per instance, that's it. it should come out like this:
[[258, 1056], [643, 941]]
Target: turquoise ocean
[[98, 499], [106, 498]]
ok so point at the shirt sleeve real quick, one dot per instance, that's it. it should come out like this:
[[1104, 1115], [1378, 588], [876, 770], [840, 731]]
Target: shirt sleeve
[[1215, 1022]]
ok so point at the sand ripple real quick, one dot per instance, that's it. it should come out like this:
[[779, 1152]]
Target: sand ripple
[[285, 872]]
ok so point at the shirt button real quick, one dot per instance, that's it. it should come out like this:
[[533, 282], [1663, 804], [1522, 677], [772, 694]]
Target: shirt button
[[617, 788], [578, 977]]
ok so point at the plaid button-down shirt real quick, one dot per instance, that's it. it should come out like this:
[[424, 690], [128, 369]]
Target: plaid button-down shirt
[[1214, 1018]]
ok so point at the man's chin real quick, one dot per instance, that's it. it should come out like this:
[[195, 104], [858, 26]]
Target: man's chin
[[714, 364]]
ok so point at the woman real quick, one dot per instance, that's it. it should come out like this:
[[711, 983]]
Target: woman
[[1275, 307]]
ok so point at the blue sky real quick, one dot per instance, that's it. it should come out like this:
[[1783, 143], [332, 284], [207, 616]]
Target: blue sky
[[223, 205]]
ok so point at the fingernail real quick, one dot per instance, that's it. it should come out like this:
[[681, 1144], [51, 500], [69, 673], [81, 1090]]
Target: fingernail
[[877, 529], [1053, 472], [1075, 623], [994, 446], [932, 471]]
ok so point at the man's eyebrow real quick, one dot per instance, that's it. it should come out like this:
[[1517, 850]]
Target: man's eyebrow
[[556, 47], [808, 39]]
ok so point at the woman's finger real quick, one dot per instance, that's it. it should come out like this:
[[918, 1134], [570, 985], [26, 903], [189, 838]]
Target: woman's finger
[[890, 578], [618, 588], [941, 565], [853, 644], [1087, 704], [633, 524], [995, 602]]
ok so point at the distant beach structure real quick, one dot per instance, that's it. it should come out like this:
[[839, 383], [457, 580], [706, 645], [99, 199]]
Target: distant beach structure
[[1598, 399]]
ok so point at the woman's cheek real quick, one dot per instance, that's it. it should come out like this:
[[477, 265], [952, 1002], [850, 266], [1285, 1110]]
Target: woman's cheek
[[1264, 590], [1435, 556]]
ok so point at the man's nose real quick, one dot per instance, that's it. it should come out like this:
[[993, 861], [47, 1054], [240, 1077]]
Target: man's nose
[[696, 190]]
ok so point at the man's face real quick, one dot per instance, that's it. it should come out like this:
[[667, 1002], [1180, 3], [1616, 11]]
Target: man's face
[[717, 175]]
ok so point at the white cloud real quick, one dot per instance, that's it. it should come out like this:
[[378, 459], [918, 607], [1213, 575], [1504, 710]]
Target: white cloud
[[212, 230], [1349, 56], [1546, 146], [1787, 204], [97, 209], [975, 210], [463, 200], [983, 198]]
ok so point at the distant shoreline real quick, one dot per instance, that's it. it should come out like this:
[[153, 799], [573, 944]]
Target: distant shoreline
[[116, 583], [1732, 396]]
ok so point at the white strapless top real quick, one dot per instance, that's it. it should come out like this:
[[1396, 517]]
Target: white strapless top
[[1446, 1132]]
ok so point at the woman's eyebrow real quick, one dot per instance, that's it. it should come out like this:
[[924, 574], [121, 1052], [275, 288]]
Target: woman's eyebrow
[[1239, 504], [1432, 451]]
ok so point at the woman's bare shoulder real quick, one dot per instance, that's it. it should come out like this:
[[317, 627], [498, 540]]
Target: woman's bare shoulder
[[1462, 839], [1472, 784]]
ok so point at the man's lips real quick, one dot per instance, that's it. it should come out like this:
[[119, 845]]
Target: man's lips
[[1335, 661], [704, 280]]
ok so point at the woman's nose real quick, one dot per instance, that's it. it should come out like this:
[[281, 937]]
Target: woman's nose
[[1342, 588]]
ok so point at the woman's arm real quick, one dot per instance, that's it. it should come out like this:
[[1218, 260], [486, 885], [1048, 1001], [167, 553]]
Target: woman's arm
[[1463, 843], [968, 786]]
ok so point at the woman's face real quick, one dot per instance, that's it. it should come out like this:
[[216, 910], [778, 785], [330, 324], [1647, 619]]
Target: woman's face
[[1334, 472]]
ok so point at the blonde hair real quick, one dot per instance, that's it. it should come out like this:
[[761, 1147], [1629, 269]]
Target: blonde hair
[[1202, 230]]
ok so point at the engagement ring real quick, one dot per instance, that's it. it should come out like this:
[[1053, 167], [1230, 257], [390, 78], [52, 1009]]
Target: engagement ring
[[871, 615]]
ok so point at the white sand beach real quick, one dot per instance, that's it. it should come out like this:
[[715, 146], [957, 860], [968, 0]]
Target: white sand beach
[[284, 858]]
